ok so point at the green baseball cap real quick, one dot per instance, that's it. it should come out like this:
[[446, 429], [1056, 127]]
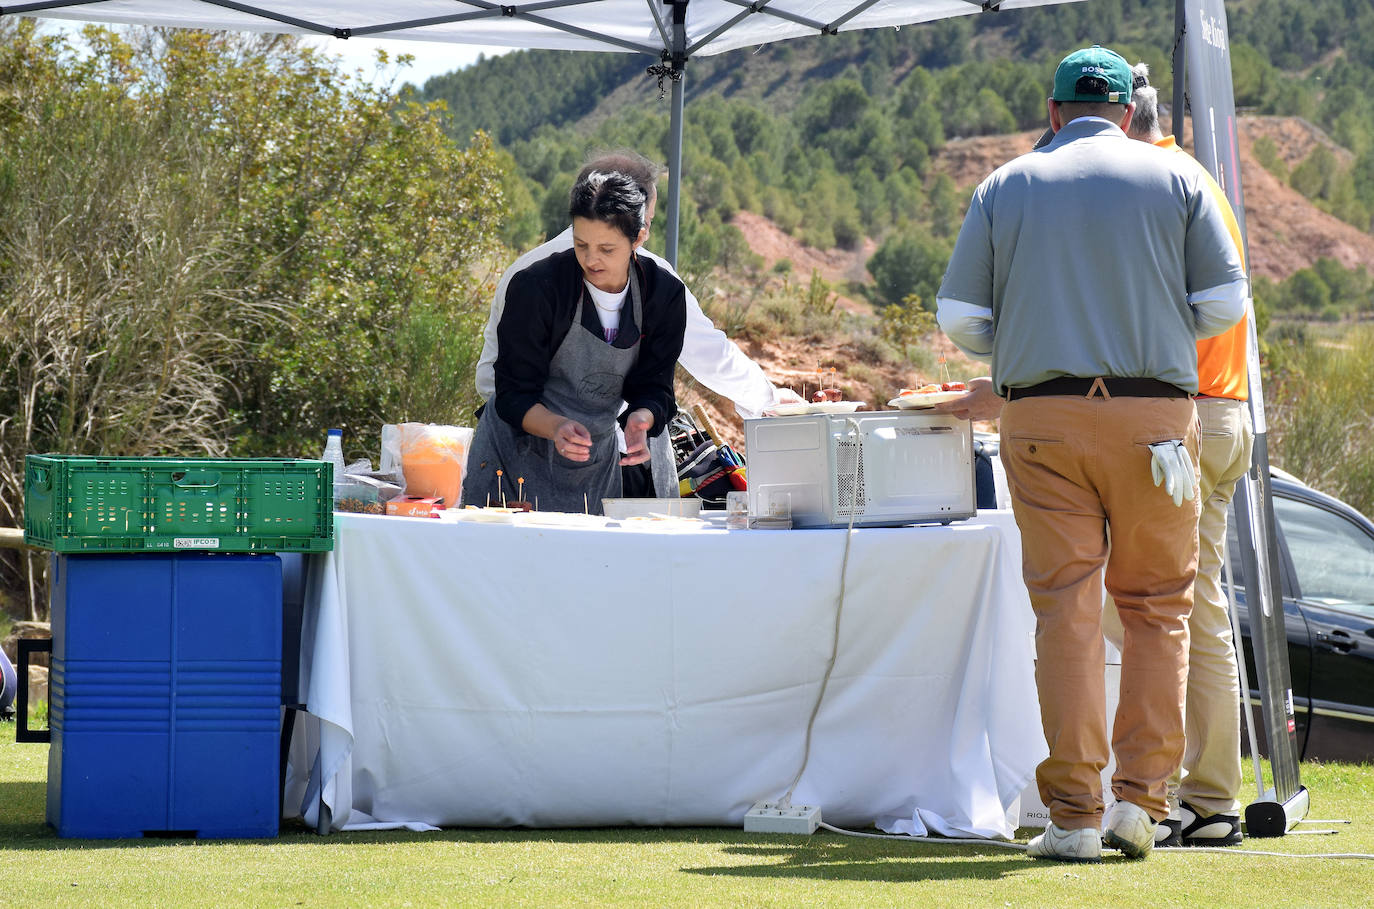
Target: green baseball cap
[[1093, 74]]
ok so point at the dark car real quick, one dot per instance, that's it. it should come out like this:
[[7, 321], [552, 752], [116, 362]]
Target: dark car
[[1326, 568]]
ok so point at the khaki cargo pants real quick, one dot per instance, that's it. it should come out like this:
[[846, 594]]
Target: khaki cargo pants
[[1078, 469]]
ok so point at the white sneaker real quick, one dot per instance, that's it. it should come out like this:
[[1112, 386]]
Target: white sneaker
[[1130, 829], [1084, 845]]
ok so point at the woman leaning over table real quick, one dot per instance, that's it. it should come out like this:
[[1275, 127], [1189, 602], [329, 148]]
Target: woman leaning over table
[[582, 330]]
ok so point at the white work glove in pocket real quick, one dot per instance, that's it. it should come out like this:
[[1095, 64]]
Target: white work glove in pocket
[[1171, 466]]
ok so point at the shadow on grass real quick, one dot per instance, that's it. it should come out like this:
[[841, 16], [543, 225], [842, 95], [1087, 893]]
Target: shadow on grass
[[822, 855], [21, 813], [837, 858]]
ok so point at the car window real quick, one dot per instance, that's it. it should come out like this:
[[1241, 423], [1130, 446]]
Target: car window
[[1333, 558]]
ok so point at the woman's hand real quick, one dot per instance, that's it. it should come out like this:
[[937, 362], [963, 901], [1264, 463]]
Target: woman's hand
[[572, 441], [637, 426], [569, 437]]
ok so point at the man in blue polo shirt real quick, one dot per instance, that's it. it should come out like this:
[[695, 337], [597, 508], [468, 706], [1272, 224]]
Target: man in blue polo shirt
[[1086, 271]]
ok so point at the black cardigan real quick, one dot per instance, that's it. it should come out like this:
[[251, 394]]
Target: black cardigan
[[540, 302]]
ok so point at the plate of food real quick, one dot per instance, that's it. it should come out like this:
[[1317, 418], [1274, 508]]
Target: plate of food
[[928, 395]]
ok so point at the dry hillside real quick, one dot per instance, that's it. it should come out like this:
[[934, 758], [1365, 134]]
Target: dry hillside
[[1285, 233]]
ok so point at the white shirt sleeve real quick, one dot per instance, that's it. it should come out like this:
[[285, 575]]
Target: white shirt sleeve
[[1218, 308], [968, 326], [717, 362], [486, 363]]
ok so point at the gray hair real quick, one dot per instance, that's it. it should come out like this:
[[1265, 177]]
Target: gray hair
[[1145, 122], [638, 168]]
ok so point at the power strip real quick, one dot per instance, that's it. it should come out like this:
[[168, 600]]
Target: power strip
[[774, 817]]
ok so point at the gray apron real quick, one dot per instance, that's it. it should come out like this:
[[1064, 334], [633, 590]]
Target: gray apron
[[586, 379]]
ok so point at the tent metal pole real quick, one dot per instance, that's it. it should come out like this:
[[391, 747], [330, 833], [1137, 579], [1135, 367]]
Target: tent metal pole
[[1177, 119], [674, 174], [679, 63]]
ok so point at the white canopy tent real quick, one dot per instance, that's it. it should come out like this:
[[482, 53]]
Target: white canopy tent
[[670, 31]]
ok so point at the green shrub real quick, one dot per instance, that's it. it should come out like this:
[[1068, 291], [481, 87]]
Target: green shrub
[[1269, 158], [1317, 400], [910, 262], [902, 324], [777, 313], [818, 299]]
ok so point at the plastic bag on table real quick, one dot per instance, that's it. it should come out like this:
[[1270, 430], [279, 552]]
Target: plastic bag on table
[[362, 490], [430, 457]]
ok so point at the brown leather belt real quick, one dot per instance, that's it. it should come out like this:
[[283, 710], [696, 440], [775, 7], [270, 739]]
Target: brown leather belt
[[1106, 386]]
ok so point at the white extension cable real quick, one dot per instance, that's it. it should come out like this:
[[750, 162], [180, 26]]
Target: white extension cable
[[856, 434]]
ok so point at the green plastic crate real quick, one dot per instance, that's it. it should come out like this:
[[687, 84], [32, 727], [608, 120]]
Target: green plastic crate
[[82, 504]]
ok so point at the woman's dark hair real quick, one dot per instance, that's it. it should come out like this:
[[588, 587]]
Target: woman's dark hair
[[612, 198]]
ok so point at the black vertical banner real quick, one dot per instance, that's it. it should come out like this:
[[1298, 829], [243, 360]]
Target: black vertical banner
[[1212, 102]]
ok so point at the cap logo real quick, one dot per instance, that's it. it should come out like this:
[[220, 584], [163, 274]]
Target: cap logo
[[1093, 74]]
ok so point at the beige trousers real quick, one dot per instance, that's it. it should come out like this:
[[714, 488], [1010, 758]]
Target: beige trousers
[[1077, 467], [1210, 778]]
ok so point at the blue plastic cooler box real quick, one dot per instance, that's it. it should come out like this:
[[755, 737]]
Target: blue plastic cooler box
[[165, 693]]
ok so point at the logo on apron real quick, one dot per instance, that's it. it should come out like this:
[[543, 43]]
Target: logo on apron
[[601, 385]]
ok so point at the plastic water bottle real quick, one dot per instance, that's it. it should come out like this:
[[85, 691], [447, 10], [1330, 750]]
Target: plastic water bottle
[[333, 453]]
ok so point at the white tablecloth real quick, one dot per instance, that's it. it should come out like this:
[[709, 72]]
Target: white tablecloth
[[491, 675]]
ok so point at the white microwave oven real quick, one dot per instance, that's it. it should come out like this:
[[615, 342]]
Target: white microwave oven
[[883, 468]]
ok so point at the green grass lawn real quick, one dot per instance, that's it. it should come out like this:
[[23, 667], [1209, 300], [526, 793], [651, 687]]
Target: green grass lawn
[[654, 866]]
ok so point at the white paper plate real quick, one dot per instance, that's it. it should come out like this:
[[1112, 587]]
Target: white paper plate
[[493, 515], [792, 410], [921, 401]]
